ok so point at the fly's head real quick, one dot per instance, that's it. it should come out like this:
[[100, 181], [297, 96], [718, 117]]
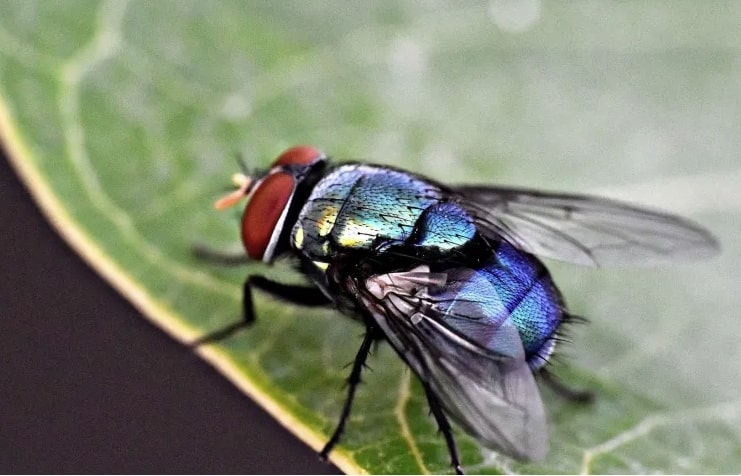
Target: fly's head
[[275, 198]]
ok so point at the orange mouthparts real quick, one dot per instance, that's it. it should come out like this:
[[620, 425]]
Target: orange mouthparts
[[243, 184]]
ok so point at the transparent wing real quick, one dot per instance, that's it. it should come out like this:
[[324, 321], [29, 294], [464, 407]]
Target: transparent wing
[[583, 229], [490, 393]]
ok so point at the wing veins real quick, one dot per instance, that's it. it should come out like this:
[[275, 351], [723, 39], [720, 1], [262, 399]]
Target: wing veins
[[581, 228]]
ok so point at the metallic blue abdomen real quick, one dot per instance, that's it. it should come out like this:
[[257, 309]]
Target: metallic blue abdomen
[[512, 289]]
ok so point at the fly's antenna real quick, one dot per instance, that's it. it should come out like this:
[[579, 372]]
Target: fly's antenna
[[241, 163]]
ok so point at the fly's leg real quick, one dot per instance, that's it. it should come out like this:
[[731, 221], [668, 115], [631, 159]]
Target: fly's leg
[[563, 390], [218, 258], [296, 294], [352, 382], [445, 429]]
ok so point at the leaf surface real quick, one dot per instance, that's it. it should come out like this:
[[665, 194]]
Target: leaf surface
[[124, 118]]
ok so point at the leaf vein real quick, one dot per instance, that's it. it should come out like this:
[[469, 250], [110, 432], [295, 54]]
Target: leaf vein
[[401, 417], [105, 43], [723, 411]]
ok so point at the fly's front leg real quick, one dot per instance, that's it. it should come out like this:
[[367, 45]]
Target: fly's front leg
[[217, 257], [296, 294]]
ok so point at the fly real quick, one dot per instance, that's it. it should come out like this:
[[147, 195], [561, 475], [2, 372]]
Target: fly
[[447, 275]]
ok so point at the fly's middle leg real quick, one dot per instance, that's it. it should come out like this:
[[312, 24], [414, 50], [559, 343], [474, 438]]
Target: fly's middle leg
[[353, 382], [445, 429]]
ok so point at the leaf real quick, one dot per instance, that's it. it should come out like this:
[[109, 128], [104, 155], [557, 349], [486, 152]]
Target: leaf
[[123, 118]]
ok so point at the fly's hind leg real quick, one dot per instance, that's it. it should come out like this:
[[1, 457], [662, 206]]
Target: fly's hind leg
[[296, 294], [564, 391], [574, 395]]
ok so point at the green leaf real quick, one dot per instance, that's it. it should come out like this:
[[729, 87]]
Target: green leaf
[[124, 117]]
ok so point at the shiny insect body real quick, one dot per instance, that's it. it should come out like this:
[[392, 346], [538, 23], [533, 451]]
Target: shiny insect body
[[447, 275]]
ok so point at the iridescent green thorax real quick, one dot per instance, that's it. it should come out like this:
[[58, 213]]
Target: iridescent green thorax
[[356, 207]]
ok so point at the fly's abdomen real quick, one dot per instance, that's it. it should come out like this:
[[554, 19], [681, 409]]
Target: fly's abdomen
[[534, 302], [356, 207], [513, 289]]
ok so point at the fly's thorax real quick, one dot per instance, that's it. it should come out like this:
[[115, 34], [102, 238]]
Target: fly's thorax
[[356, 206]]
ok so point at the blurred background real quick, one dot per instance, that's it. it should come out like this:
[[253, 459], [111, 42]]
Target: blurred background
[[129, 114]]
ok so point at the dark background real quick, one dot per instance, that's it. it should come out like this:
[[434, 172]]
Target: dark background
[[88, 385]]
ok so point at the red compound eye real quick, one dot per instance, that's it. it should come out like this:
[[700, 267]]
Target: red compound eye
[[261, 222], [299, 155]]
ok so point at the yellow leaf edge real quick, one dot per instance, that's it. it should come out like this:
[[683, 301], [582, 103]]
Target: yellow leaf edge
[[163, 317]]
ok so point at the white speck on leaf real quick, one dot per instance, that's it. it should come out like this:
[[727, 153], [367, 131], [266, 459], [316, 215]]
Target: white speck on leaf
[[236, 106], [514, 16], [407, 58]]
